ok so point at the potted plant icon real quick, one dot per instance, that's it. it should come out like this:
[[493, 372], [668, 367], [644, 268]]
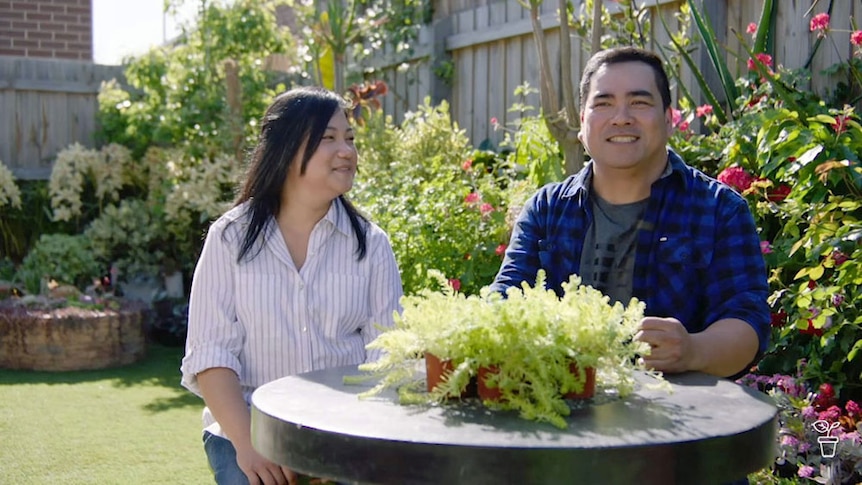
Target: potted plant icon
[[828, 443]]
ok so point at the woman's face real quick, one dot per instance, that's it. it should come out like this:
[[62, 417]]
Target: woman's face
[[331, 169]]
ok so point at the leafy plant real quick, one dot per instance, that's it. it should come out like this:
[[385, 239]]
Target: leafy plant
[[61, 257], [442, 209], [531, 337]]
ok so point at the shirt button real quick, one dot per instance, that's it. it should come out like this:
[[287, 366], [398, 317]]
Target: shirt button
[[304, 329], [302, 286]]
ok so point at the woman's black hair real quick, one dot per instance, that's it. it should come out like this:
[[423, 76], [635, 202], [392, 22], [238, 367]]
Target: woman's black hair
[[293, 117]]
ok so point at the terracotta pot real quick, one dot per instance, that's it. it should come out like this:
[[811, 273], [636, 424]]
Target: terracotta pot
[[589, 383], [487, 393], [493, 394], [435, 373]]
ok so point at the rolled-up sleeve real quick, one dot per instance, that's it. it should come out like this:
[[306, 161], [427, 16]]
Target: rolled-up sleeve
[[215, 337]]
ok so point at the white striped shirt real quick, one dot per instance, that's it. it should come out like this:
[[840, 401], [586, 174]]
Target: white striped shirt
[[265, 320]]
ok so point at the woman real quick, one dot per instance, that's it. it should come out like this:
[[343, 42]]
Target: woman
[[292, 279]]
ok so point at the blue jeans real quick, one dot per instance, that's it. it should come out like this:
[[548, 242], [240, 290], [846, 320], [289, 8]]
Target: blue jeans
[[222, 458]]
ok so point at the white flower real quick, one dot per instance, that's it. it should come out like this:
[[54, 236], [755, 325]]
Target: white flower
[[9, 192]]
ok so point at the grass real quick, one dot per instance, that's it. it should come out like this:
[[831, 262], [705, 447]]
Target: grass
[[132, 424]]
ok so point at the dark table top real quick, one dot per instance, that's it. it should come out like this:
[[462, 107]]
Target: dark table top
[[708, 430]]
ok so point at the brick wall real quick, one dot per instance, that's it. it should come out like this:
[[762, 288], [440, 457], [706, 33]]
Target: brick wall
[[56, 29]]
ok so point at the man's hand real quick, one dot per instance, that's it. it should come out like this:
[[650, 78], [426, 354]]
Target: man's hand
[[672, 346], [261, 471]]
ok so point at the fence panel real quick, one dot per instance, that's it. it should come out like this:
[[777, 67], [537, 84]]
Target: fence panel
[[46, 105]]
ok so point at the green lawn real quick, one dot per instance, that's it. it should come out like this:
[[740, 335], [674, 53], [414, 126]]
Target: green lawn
[[130, 425]]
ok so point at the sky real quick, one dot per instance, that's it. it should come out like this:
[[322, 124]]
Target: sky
[[131, 27]]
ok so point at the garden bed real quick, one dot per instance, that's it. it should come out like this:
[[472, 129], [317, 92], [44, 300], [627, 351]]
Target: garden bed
[[70, 338]]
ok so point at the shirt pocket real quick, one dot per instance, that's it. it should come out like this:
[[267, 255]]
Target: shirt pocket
[[685, 252], [342, 302]]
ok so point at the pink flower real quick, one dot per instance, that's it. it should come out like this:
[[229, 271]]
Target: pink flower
[[494, 120], [676, 116], [789, 440], [501, 250], [765, 247], [808, 412], [819, 22], [737, 178], [703, 110], [486, 208], [683, 126], [455, 283], [764, 59], [472, 198], [832, 414], [466, 165], [853, 409], [805, 471], [856, 38], [751, 29]]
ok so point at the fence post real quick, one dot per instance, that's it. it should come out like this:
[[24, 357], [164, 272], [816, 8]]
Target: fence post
[[440, 88]]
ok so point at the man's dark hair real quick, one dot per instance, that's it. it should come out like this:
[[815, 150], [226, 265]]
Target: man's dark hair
[[618, 55]]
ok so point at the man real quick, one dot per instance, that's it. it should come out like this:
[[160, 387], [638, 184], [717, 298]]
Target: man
[[638, 222]]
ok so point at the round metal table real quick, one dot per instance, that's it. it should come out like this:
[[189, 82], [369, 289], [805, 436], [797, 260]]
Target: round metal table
[[708, 430]]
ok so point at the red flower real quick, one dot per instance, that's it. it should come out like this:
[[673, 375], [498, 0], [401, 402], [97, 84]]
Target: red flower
[[778, 319], [819, 22], [856, 38], [839, 257], [840, 124], [812, 284], [703, 110], [486, 208], [683, 126], [737, 178], [811, 330], [466, 165], [455, 283], [765, 59], [751, 29], [825, 397], [501, 250], [779, 193], [472, 198]]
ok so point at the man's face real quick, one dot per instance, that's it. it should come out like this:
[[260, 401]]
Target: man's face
[[623, 124]]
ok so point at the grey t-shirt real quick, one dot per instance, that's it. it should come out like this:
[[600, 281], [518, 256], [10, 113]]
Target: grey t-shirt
[[608, 259]]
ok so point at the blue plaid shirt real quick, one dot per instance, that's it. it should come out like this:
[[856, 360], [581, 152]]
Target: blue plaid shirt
[[698, 256]]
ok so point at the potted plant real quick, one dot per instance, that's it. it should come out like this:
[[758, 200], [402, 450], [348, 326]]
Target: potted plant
[[530, 349]]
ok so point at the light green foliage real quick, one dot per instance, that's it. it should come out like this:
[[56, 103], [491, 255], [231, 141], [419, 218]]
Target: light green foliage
[[61, 257], [531, 337], [414, 185], [178, 97]]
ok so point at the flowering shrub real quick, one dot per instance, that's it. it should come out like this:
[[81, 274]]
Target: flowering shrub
[[435, 197], [819, 437], [795, 157]]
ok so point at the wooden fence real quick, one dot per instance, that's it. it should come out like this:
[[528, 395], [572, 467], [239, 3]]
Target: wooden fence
[[485, 48], [474, 54], [45, 106]]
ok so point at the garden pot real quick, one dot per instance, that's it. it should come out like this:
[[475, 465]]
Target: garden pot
[[589, 383], [435, 373], [493, 394]]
